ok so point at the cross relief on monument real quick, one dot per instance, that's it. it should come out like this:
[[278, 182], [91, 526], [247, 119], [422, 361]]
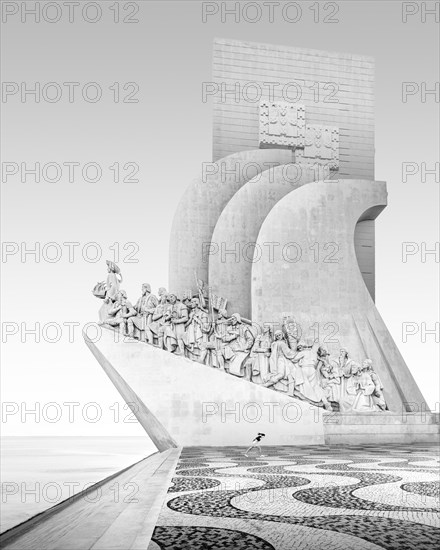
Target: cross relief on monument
[[284, 124]]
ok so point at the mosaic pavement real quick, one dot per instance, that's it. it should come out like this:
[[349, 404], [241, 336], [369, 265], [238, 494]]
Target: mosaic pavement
[[347, 497]]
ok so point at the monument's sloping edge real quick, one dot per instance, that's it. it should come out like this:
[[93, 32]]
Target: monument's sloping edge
[[371, 328], [201, 405], [333, 292], [120, 521], [156, 431]]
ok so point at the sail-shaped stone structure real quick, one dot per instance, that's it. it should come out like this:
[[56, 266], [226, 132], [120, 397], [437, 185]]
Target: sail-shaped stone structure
[[279, 226]]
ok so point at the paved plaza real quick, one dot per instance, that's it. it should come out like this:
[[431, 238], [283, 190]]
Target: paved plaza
[[354, 497]]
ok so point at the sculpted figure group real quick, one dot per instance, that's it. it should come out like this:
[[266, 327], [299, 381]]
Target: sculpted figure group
[[277, 360]]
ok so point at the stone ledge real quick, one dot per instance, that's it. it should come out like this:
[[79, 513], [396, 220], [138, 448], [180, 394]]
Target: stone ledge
[[380, 419]]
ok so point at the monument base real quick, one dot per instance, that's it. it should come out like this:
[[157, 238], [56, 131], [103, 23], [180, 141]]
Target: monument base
[[183, 403], [381, 427]]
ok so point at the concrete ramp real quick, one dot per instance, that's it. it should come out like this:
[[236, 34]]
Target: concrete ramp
[[157, 433], [200, 405], [118, 513]]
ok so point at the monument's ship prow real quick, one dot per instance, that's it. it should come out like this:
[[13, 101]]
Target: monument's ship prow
[[182, 402], [279, 229]]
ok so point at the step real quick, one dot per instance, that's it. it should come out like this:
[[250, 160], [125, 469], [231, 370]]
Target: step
[[380, 428], [380, 418]]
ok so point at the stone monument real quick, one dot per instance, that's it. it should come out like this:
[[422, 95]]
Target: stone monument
[[270, 318]]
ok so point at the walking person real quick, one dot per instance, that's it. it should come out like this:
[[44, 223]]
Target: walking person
[[256, 443]]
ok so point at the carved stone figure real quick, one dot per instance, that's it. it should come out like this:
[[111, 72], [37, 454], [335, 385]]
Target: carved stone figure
[[186, 298], [108, 290], [350, 387], [201, 289], [348, 369], [144, 307], [167, 335], [197, 333], [239, 341], [282, 371], [114, 279], [218, 339], [279, 362], [162, 292], [378, 396], [290, 331], [330, 376], [364, 400], [100, 290], [310, 387], [155, 329], [174, 325], [261, 354], [120, 311], [217, 302]]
